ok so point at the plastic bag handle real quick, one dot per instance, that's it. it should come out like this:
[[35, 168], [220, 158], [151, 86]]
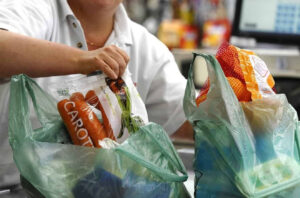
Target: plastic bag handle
[[165, 174], [18, 106], [189, 103], [216, 76]]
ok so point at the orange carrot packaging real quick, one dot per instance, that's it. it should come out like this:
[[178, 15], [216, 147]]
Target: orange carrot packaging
[[96, 108]]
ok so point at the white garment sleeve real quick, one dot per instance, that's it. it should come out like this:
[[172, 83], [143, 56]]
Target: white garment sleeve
[[165, 97], [28, 17]]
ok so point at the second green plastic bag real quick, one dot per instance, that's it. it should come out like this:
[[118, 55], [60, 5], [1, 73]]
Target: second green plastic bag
[[145, 165], [234, 155]]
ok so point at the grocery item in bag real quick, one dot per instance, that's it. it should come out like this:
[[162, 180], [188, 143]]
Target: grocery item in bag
[[115, 102], [251, 147], [83, 125], [79, 135], [246, 73], [145, 165], [93, 100]]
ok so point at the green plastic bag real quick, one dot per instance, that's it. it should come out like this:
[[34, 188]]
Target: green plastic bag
[[145, 165], [233, 156]]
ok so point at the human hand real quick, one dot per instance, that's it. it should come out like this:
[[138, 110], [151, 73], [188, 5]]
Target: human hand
[[110, 59]]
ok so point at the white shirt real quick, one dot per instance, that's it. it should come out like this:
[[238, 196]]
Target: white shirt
[[153, 68]]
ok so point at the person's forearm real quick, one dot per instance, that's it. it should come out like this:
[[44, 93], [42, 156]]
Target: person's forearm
[[36, 58]]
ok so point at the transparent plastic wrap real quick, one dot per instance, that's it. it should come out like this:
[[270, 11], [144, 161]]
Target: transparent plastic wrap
[[144, 164], [116, 103], [242, 149]]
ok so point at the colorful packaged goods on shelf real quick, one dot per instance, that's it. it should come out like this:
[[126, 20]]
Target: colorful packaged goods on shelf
[[215, 32]]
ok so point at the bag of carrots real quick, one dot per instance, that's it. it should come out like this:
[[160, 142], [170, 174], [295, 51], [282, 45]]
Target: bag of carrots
[[246, 135], [96, 109], [94, 140]]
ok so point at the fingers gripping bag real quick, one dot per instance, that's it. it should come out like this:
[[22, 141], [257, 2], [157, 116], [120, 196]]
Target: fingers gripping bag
[[94, 140], [246, 145]]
